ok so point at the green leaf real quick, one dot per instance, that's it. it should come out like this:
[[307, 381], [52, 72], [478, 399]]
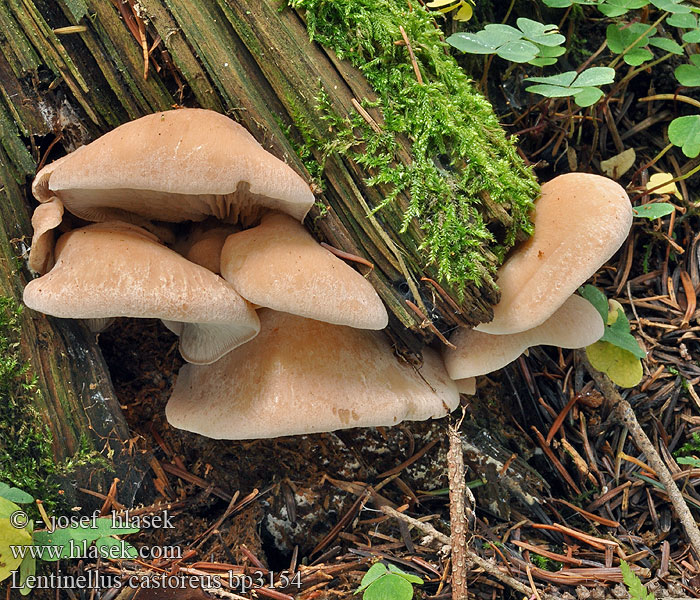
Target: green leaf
[[692, 36], [653, 210], [11, 536], [441, 3], [618, 333], [518, 51], [539, 33], [498, 34], [595, 77], [389, 587], [683, 21], [597, 299], [376, 571], [621, 366], [407, 576], [672, 6], [685, 133], [621, 39], [688, 460], [27, 568], [634, 585], [553, 91], [562, 79], [588, 96], [14, 495], [688, 75], [666, 44], [470, 43], [615, 8]]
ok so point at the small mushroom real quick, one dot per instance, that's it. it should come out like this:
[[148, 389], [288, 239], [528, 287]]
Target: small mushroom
[[116, 269], [305, 376], [574, 325], [279, 265], [580, 221], [175, 166], [45, 219]]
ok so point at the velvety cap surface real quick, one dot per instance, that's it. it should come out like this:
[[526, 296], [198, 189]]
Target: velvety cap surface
[[278, 264], [116, 269], [574, 325], [175, 166], [580, 222], [304, 376]]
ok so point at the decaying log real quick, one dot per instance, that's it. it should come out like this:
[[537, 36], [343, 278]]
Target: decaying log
[[70, 70]]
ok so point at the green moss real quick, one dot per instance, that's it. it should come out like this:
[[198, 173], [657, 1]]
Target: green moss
[[459, 153], [26, 455]]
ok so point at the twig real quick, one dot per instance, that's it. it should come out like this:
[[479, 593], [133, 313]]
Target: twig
[[416, 70], [482, 563], [458, 514], [626, 416]]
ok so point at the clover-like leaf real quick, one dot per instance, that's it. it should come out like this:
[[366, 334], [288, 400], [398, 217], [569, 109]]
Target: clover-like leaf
[[518, 51], [407, 576], [631, 40], [621, 366], [692, 36], [688, 460], [684, 132], [615, 8], [666, 44], [683, 20], [376, 571], [689, 75], [14, 494], [672, 6], [389, 587], [653, 210]]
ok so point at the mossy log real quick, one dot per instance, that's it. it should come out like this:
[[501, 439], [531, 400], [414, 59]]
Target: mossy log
[[70, 70]]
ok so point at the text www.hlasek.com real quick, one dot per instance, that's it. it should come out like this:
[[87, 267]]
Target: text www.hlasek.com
[[85, 550]]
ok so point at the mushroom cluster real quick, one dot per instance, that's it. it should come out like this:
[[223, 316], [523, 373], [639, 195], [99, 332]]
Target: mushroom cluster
[[580, 221], [184, 217]]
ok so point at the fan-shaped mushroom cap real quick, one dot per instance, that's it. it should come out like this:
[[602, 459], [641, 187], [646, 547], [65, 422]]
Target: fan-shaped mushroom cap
[[574, 325], [305, 376], [45, 219], [175, 166], [580, 222], [115, 269], [279, 265]]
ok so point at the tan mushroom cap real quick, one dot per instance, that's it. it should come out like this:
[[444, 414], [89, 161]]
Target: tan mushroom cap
[[45, 219], [279, 265], [175, 166], [574, 325], [120, 270], [305, 376], [580, 222]]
